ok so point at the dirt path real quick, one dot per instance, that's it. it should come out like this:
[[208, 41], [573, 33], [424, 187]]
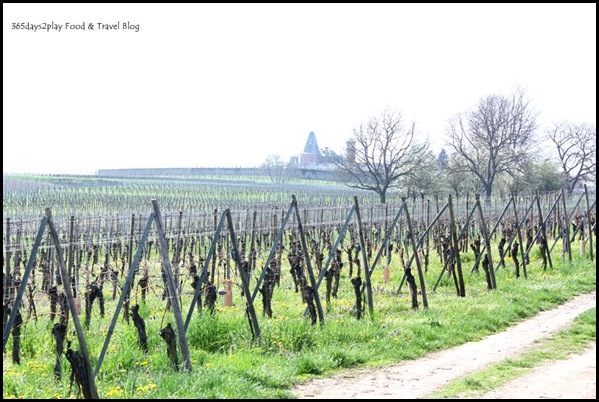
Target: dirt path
[[573, 378]]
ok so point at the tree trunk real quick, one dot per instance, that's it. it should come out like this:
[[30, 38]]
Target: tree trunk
[[488, 190]]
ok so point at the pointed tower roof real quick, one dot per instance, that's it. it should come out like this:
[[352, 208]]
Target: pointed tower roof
[[311, 145]]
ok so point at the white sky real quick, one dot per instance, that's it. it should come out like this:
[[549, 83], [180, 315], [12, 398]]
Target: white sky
[[223, 85]]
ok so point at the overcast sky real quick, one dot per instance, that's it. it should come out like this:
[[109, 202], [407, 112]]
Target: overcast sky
[[226, 85]]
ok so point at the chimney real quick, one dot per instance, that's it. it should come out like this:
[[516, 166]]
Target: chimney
[[350, 151]]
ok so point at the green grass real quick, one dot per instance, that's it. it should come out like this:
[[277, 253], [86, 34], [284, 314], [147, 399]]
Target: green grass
[[228, 364]]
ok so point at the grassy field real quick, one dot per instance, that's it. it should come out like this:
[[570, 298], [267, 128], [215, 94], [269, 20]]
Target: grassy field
[[228, 363], [227, 360]]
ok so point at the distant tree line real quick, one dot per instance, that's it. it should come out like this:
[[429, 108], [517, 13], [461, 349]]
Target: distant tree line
[[493, 148]]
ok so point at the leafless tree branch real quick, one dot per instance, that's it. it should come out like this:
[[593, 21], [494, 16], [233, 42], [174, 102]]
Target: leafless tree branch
[[380, 153]]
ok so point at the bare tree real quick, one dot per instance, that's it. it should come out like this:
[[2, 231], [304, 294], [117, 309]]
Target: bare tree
[[494, 139], [276, 168], [577, 151], [380, 153]]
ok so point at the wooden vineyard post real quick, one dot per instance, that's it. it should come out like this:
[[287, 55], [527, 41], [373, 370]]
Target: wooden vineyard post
[[93, 391], [438, 225], [519, 224], [560, 234], [172, 290], [213, 272], [129, 262], [519, 234], [483, 226], [228, 296], [428, 222], [204, 273], [455, 245], [365, 264], [70, 250], [484, 246], [253, 240], [418, 262], [7, 275], [21, 291], [251, 311], [177, 256], [426, 233], [586, 194], [335, 246], [567, 244], [273, 250], [307, 260], [544, 231], [387, 239], [386, 270]]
